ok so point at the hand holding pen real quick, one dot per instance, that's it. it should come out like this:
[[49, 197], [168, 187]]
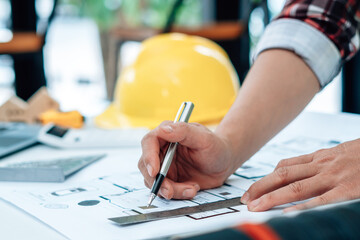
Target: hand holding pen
[[203, 160]]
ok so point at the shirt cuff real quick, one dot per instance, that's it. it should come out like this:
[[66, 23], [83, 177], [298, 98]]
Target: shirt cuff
[[318, 51]]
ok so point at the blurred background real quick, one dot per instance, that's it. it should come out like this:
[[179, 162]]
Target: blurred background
[[80, 46]]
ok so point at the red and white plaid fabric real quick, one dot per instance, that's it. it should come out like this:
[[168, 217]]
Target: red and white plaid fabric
[[337, 19]]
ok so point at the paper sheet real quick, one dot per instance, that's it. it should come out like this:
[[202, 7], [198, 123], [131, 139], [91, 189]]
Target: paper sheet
[[80, 211]]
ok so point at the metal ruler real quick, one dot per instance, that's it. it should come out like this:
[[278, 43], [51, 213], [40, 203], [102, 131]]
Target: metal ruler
[[140, 218]]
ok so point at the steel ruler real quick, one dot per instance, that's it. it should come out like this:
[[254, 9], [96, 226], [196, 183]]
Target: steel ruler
[[145, 217]]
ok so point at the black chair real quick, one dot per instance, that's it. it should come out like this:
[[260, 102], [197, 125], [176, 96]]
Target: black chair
[[26, 47]]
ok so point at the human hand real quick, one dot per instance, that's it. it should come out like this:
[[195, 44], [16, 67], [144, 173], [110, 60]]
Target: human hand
[[202, 159], [330, 175]]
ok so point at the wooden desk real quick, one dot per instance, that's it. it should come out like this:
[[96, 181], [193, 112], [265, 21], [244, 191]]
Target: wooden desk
[[22, 42]]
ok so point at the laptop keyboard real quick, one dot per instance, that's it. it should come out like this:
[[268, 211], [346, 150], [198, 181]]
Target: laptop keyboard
[[52, 170], [67, 165]]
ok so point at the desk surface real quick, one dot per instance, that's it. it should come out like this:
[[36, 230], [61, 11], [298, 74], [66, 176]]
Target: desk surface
[[15, 224]]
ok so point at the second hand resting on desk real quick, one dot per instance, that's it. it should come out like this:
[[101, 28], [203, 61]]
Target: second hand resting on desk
[[182, 115]]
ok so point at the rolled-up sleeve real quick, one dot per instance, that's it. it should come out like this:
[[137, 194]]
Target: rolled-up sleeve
[[323, 33]]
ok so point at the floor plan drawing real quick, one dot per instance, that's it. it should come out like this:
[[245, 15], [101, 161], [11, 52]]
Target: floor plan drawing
[[89, 204]]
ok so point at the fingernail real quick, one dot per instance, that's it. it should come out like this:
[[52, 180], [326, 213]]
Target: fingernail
[[197, 187], [289, 209], [188, 193], [149, 169], [245, 198], [253, 205], [164, 192], [168, 129]]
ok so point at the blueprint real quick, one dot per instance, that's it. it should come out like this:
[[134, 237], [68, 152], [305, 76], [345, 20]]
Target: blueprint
[[115, 192], [88, 205]]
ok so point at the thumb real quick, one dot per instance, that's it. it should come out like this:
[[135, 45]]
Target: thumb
[[190, 135]]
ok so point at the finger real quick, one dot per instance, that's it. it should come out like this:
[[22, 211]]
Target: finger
[[277, 179], [307, 158], [152, 144], [183, 190], [146, 184], [150, 157], [295, 191], [331, 196], [142, 169], [188, 135], [148, 180]]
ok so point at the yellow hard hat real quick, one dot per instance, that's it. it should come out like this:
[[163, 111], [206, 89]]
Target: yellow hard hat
[[170, 69]]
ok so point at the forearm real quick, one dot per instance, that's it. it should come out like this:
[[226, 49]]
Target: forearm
[[276, 90]]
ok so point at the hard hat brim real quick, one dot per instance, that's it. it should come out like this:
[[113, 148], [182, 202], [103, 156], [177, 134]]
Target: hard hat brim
[[112, 118]]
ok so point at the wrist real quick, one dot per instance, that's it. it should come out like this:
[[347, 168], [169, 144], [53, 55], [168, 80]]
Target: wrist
[[231, 147]]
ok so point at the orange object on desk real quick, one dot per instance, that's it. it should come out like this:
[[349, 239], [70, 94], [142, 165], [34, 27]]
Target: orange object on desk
[[71, 119]]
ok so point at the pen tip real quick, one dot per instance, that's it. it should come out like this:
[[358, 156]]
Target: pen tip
[[152, 196]]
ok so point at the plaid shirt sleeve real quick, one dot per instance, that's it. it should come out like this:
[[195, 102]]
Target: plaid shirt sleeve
[[323, 32]]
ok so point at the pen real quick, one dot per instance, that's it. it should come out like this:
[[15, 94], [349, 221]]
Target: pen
[[182, 115]]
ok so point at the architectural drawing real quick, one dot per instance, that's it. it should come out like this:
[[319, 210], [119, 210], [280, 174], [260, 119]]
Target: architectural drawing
[[125, 194]]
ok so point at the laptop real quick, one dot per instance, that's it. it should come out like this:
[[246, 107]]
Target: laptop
[[17, 136]]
